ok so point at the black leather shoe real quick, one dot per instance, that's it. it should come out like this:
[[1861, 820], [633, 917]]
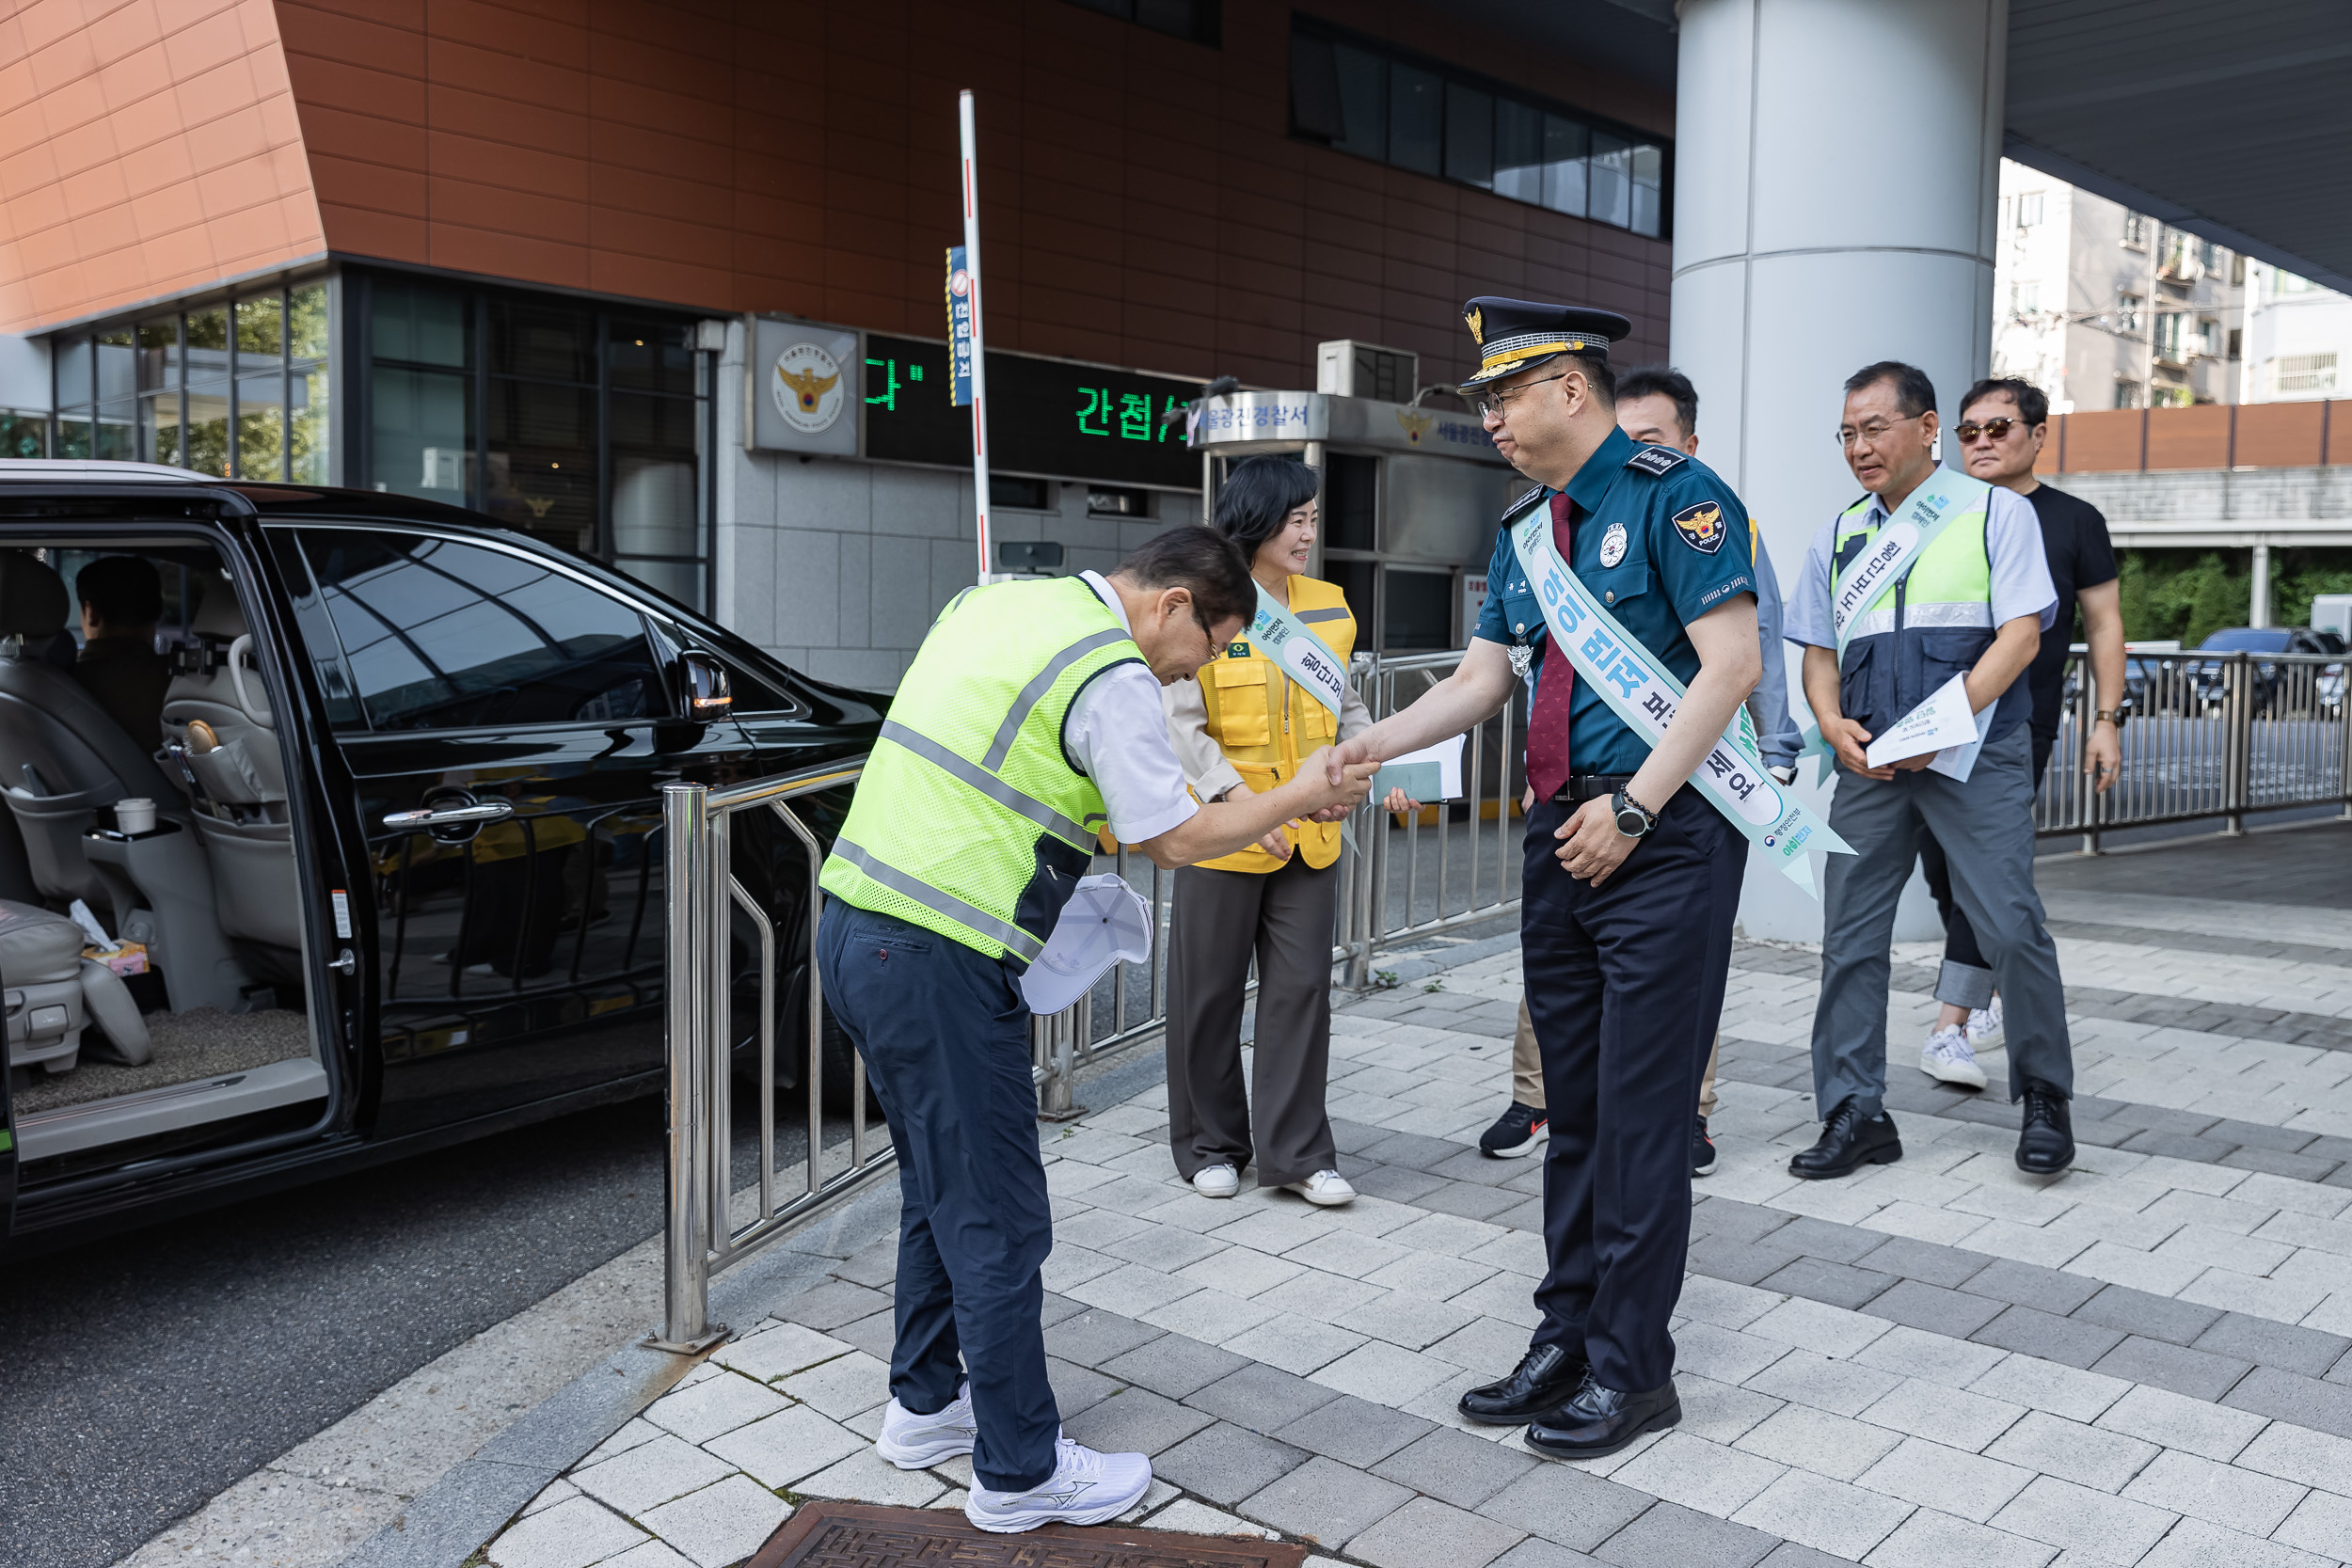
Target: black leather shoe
[[1602, 1420], [1545, 1379], [2045, 1137], [1848, 1140]]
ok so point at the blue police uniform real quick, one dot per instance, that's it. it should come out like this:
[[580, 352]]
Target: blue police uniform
[[1625, 981]]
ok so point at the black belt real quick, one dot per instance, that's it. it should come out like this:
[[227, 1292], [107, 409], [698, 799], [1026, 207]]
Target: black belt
[[1582, 787]]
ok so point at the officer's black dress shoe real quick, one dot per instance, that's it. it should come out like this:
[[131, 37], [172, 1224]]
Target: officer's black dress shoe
[[1602, 1420], [1545, 1379], [1848, 1139], [2045, 1138]]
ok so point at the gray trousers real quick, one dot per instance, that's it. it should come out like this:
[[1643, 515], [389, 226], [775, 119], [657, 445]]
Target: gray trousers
[[1216, 920], [1986, 829]]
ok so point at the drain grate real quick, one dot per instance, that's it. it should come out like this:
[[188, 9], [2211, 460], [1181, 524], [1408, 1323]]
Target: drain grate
[[858, 1535]]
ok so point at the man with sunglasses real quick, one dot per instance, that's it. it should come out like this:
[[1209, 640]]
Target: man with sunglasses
[[1930, 575], [1632, 872], [2002, 425]]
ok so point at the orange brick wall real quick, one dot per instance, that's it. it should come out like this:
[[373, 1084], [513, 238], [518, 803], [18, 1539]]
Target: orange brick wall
[[1141, 201], [2210, 435], [146, 147]]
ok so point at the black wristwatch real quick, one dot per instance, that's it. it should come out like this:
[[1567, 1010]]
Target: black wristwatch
[[1634, 820]]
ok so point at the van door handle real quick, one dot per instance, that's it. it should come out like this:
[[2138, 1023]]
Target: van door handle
[[448, 816]]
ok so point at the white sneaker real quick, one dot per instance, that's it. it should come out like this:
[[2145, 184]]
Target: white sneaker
[[1985, 1029], [1086, 1488], [1946, 1058], [1218, 1180], [1326, 1189], [914, 1442]]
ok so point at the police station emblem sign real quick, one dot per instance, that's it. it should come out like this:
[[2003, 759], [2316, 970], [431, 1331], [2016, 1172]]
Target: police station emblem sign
[[802, 379]]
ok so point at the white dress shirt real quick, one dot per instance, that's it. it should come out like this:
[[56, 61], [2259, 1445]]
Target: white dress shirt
[[1117, 732]]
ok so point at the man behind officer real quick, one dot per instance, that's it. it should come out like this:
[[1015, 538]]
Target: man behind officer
[[1883, 630], [1657, 405], [1030, 716], [1630, 879]]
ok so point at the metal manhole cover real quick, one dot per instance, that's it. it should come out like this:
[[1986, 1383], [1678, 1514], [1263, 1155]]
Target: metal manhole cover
[[858, 1535]]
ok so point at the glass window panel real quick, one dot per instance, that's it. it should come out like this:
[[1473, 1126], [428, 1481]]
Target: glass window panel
[[1363, 101], [1418, 610], [1610, 194], [1416, 115], [418, 325], [1566, 142], [440, 635], [207, 434], [75, 388], [261, 361], [654, 471], [681, 579], [117, 365], [651, 356], [420, 420], [116, 434], [1518, 151], [1650, 168], [159, 429], [310, 431], [159, 355], [73, 435], [1469, 136], [542, 465], [542, 338], [23, 433]]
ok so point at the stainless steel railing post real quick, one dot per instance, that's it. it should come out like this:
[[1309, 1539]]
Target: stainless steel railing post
[[688, 871]]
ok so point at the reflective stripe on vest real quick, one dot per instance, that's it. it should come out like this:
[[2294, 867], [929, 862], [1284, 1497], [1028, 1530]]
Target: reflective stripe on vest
[[970, 819]]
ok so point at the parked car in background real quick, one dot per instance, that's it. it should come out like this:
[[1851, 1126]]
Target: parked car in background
[[388, 871], [2278, 687]]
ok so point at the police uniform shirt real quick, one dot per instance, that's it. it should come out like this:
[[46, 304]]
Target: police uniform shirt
[[2012, 539], [1684, 553]]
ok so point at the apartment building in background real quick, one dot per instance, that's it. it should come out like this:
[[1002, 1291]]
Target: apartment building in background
[[2298, 337]]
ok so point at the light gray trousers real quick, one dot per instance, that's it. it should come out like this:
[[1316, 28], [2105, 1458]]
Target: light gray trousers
[[1986, 829]]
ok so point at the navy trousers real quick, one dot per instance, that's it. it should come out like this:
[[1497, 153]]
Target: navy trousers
[[945, 1037], [1625, 983]]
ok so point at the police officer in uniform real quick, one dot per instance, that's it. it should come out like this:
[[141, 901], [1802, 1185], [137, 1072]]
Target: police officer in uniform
[[1630, 879], [1030, 717]]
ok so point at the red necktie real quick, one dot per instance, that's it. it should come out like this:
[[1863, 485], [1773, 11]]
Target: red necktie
[[1548, 721]]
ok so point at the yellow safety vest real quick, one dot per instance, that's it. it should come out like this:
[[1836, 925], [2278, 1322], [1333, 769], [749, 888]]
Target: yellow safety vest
[[1266, 722]]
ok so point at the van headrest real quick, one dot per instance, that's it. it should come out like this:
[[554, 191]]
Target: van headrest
[[33, 600], [217, 613]]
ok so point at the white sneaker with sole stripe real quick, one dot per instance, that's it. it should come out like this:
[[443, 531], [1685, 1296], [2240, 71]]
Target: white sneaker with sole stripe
[[1086, 1488], [914, 1442]]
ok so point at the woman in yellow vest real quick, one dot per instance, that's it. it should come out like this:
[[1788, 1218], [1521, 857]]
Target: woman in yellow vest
[[1242, 728]]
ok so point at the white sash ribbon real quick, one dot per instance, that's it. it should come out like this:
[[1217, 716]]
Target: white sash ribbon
[[1304, 656]]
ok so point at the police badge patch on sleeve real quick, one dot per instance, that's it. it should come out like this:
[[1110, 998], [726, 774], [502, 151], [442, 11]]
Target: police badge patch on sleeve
[[1655, 460], [1701, 527]]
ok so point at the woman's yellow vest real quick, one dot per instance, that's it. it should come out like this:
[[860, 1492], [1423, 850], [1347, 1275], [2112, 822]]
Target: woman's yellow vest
[[1267, 724]]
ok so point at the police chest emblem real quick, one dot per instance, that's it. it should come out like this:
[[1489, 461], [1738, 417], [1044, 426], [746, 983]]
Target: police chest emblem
[[1701, 527], [1612, 545]]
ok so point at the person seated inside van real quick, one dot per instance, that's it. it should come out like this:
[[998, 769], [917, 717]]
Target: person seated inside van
[[122, 600]]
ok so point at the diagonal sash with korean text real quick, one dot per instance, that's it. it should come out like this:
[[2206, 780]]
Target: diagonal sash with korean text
[[1926, 512], [1304, 656], [1645, 694]]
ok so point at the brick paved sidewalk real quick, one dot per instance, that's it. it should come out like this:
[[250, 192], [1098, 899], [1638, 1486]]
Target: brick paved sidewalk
[[1940, 1362]]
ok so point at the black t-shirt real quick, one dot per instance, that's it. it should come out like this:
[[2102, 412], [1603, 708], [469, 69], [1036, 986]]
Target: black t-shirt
[[2075, 537]]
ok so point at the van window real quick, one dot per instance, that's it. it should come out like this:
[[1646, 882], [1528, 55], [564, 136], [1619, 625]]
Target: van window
[[440, 635]]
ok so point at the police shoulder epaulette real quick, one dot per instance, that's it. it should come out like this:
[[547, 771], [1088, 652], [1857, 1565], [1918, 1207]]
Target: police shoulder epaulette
[[1655, 460], [1512, 513]]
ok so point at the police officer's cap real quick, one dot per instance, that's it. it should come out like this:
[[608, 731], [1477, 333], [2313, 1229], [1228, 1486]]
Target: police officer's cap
[[1514, 334]]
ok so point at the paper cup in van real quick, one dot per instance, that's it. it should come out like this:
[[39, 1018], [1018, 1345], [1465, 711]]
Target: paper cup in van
[[136, 815]]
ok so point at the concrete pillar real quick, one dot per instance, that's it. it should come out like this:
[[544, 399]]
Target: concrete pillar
[[2258, 615], [1836, 167]]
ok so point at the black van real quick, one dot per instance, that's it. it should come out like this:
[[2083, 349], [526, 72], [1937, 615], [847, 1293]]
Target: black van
[[400, 881]]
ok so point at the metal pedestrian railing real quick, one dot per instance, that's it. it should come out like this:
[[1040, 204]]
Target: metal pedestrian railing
[[1450, 864], [2211, 734]]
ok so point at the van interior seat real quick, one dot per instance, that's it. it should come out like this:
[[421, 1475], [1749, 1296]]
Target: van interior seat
[[221, 739], [62, 760], [53, 993]]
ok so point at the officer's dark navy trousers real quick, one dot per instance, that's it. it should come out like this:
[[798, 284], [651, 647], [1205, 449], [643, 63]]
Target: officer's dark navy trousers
[[945, 1037], [1625, 983]]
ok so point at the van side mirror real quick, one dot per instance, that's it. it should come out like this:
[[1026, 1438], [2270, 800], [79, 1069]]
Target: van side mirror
[[707, 692]]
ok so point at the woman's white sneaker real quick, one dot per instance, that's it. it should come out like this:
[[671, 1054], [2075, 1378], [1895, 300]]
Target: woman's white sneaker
[[1986, 1032], [1946, 1058], [1326, 1189], [1086, 1488], [914, 1442], [1216, 1181]]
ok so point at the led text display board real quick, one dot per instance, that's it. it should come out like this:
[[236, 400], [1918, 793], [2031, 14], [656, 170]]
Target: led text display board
[[1046, 417]]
